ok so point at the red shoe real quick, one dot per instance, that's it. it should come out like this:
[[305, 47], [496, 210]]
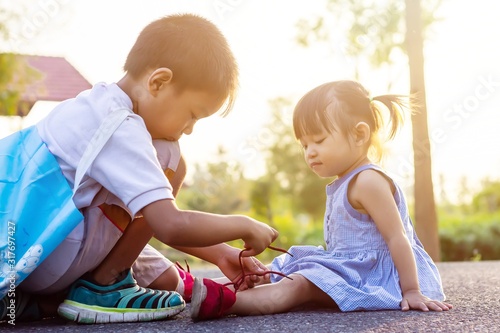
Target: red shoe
[[210, 299], [188, 280]]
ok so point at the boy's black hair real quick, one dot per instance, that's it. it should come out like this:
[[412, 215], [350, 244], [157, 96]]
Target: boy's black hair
[[193, 48]]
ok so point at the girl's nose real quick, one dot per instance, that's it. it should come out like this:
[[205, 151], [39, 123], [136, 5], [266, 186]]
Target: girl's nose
[[310, 152]]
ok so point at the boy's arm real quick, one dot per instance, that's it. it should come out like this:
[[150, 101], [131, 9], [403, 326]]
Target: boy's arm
[[213, 254], [176, 227]]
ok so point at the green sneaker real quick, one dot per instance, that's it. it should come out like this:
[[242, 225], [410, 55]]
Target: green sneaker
[[124, 301]]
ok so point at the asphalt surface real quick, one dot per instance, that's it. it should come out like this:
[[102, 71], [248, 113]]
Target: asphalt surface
[[472, 287]]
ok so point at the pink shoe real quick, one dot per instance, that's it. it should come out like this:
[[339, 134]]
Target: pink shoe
[[210, 299], [188, 280]]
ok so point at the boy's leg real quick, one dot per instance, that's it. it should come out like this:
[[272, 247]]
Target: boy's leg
[[89, 300], [124, 253], [168, 280], [153, 270], [134, 239]]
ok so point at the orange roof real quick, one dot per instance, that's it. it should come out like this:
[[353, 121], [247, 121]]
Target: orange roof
[[59, 80]]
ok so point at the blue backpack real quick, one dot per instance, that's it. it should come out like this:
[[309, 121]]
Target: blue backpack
[[37, 211]]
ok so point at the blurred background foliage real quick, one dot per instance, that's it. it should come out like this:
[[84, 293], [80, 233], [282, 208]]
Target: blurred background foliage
[[15, 73], [291, 198]]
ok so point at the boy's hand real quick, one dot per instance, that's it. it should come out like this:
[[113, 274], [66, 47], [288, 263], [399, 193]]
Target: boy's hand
[[414, 299], [260, 236]]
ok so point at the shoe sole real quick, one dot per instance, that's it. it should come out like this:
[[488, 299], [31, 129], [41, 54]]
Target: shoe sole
[[198, 296], [86, 314]]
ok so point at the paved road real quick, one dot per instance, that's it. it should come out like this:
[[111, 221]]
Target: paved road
[[472, 287]]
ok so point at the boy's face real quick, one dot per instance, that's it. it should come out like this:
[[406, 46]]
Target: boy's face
[[169, 113]]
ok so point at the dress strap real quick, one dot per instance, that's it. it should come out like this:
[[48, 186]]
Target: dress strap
[[347, 178]]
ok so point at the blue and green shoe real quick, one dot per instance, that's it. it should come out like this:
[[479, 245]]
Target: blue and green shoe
[[123, 301]]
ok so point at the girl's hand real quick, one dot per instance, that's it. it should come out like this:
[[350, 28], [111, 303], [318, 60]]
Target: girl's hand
[[253, 265], [230, 267], [258, 238], [414, 299]]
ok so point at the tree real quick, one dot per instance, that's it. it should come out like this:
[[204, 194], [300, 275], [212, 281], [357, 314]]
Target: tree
[[217, 187], [260, 198], [8, 99], [425, 207], [488, 199], [15, 73], [376, 33]]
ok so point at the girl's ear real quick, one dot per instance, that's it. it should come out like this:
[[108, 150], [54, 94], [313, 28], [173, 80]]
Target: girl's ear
[[362, 133], [158, 78]]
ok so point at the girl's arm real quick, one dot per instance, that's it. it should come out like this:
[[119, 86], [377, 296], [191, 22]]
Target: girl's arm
[[373, 193], [185, 228]]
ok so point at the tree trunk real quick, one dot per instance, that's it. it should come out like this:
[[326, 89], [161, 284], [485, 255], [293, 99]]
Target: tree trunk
[[425, 209]]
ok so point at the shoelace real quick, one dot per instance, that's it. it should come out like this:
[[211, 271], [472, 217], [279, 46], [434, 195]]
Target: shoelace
[[187, 270], [238, 283]]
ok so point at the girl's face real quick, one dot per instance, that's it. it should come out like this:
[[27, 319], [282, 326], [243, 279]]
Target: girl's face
[[331, 154]]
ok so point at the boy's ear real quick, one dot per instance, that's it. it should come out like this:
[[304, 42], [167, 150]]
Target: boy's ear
[[362, 133], [158, 78]]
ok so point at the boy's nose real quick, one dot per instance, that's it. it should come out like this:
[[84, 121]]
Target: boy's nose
[[189, 129]]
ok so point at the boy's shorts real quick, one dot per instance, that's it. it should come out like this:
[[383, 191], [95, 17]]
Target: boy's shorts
[[100, 236], [91, 241]]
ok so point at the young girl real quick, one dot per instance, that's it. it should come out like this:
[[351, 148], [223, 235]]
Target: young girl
[[373, 258]]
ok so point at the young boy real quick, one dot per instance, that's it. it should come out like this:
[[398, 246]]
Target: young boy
[[180, 70]]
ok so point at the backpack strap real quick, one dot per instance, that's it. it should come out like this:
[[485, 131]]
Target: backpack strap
[[101, 136]]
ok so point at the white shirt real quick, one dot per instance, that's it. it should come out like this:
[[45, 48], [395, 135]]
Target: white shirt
[[127, 166]]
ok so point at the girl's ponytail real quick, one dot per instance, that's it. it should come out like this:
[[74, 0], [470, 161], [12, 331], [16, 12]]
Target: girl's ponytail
[[396, 104]]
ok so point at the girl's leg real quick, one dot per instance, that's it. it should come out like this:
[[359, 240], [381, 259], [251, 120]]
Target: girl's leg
[[280, 297]]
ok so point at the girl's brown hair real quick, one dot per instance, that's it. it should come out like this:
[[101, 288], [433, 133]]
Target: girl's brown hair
[[340, 105]]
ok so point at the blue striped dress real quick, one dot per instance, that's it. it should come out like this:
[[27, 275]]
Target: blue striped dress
[[357, 270]]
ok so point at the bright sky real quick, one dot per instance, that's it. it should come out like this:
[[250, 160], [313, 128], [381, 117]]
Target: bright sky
[[462, 71]]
